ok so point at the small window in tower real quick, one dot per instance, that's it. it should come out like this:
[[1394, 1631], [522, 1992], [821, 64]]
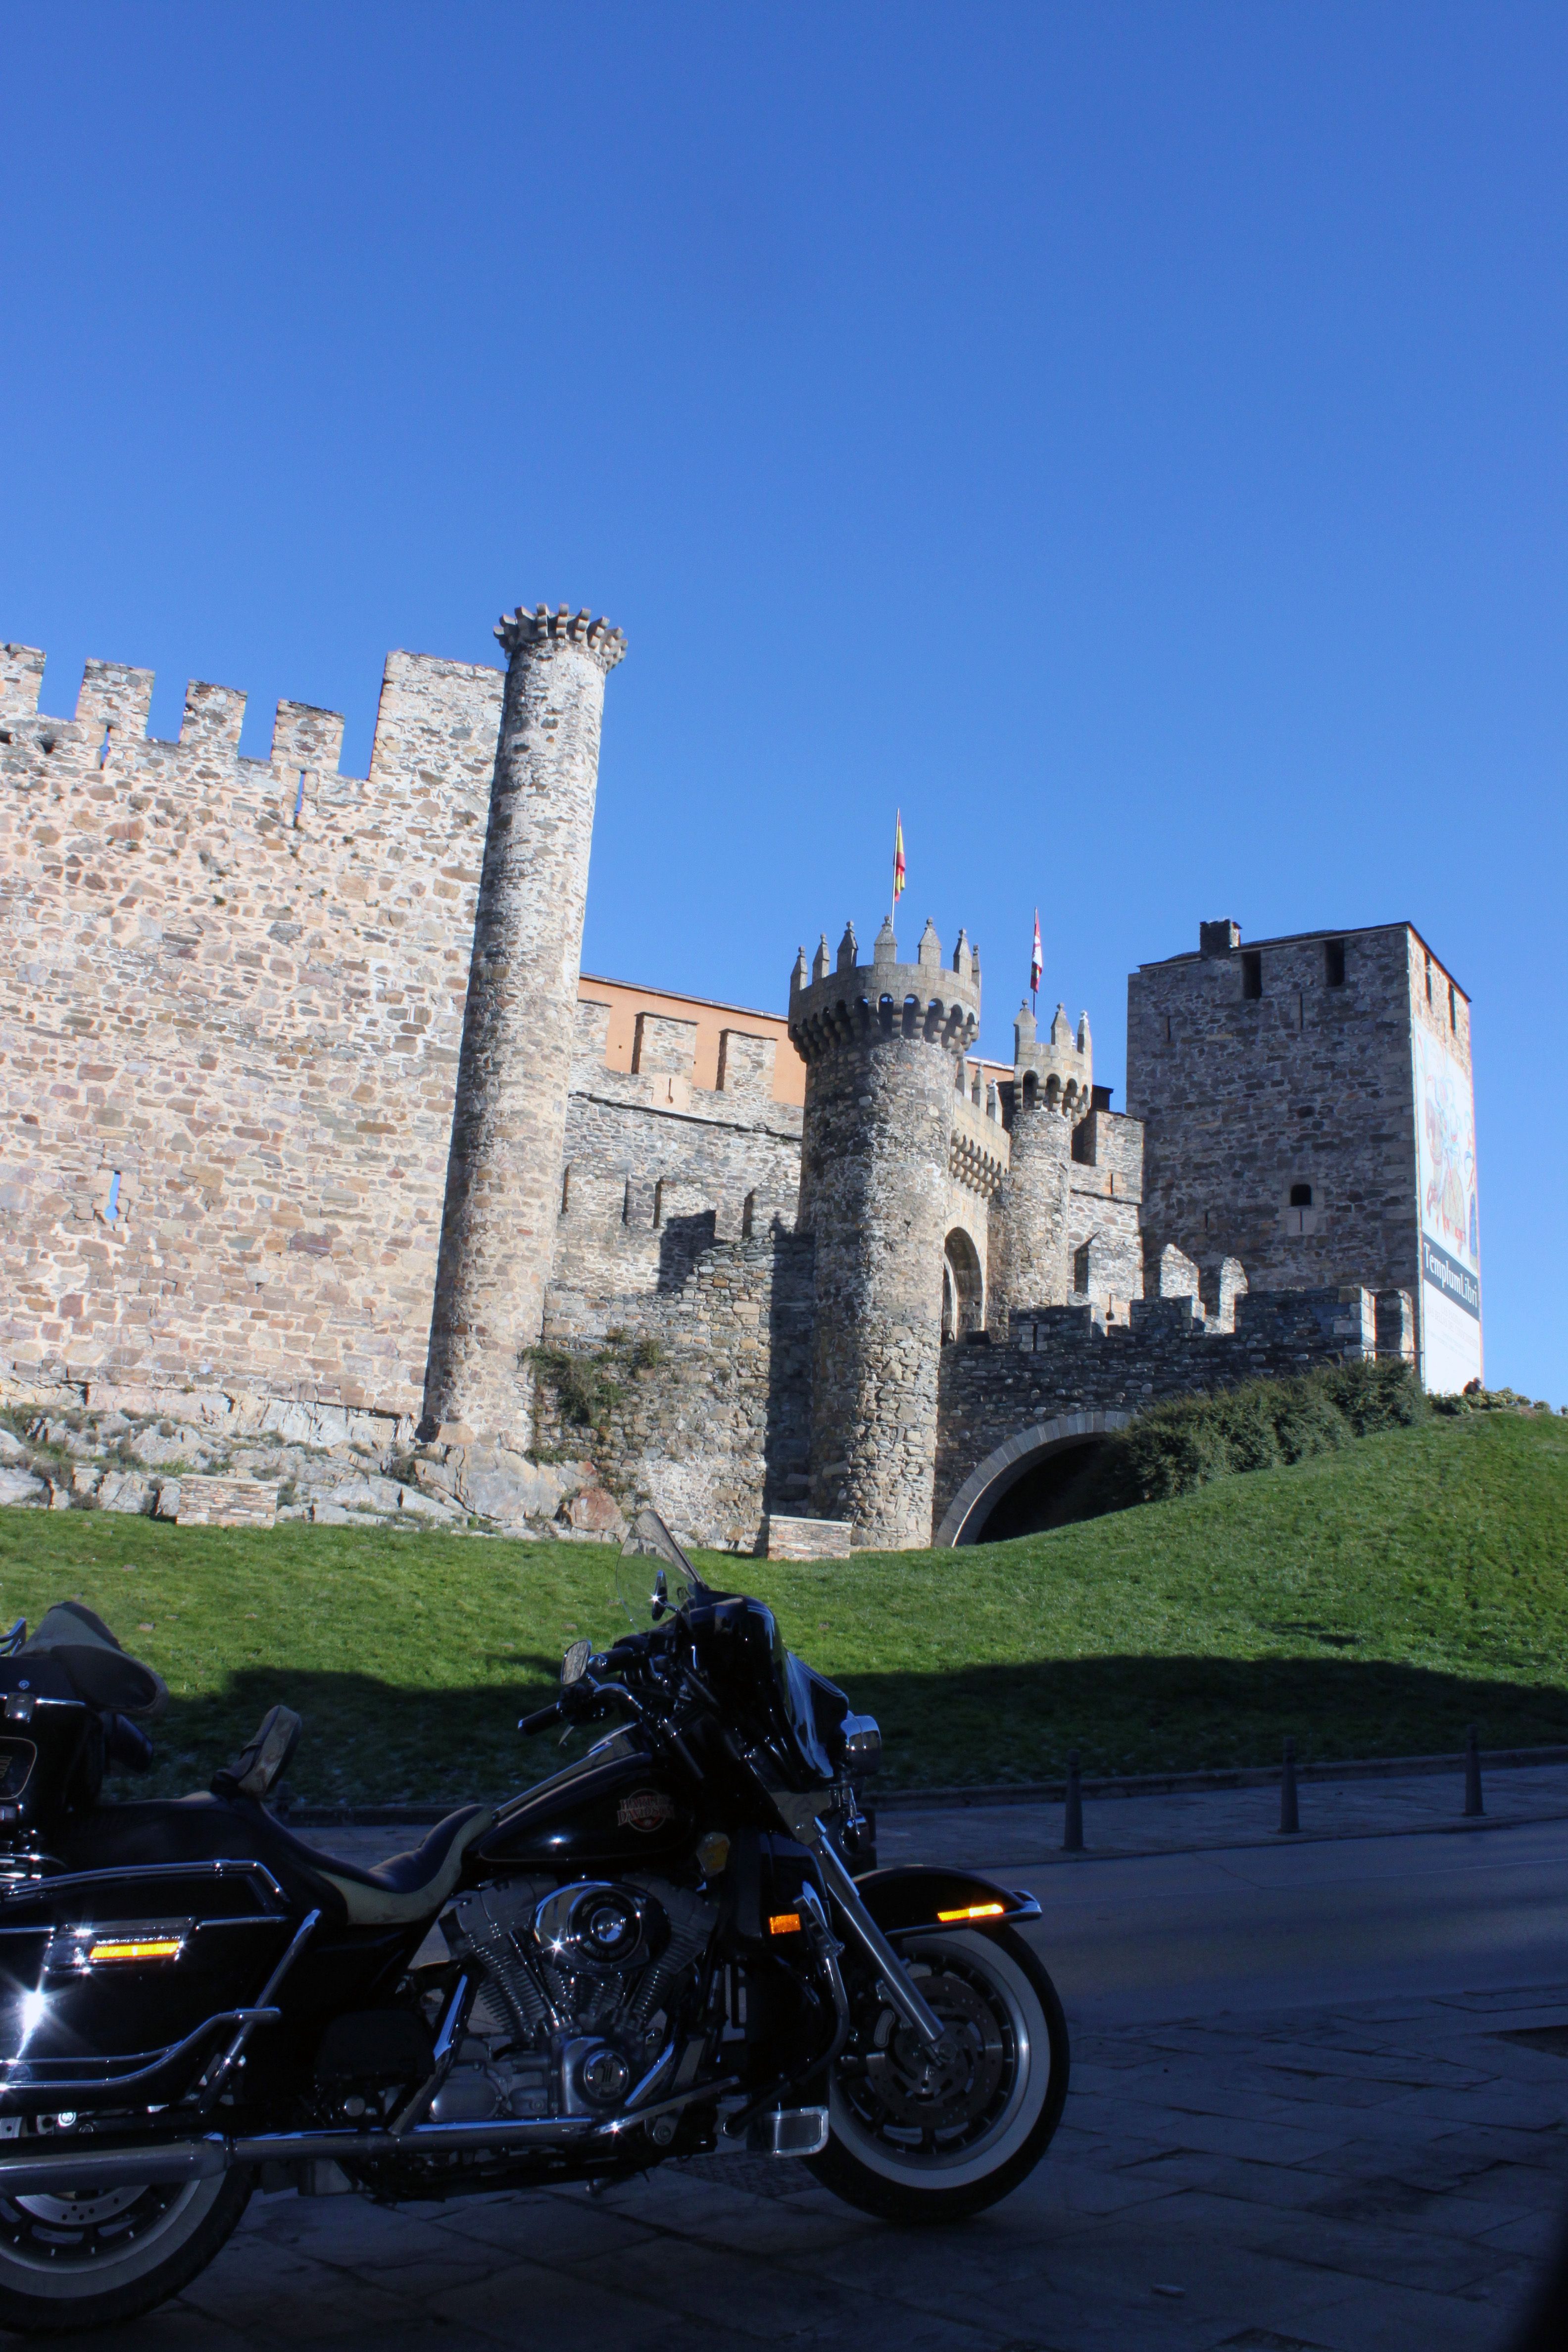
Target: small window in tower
[[1334, 964], [112, 1210], [1300, 1196], [1428, 980], [565, 1187], [1453, 1008], [749, 1217], [1252, 974], [658, 1202]]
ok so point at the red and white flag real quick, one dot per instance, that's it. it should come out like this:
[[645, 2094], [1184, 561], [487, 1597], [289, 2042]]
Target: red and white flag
[[897, 857], [1037, 965]]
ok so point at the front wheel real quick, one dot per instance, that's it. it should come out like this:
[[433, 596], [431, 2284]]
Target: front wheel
[[91, 2255], [916, 2139]]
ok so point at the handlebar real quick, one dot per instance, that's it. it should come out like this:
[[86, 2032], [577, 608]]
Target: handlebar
[[571, 1702]]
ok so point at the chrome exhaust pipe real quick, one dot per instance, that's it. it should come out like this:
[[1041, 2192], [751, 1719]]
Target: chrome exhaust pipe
[[83, 2162], [64, 2168]]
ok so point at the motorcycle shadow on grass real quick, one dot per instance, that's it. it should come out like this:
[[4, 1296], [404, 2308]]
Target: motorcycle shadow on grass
[[368, 1742]]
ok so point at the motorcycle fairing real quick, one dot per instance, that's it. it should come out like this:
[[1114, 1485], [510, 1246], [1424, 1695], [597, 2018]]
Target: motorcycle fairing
[[918, 1897]]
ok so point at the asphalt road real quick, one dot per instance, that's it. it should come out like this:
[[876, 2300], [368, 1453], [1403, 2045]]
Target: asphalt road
[[1303, 1925]]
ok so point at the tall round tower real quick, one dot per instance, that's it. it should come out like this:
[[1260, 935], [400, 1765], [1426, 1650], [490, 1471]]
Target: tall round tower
[[1052, 1090], [508, 1121], [882, 1043]]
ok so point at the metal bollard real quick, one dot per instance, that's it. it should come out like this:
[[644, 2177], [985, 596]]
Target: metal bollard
[[1072, 1820], [1290, 1814], [1472, 1773]]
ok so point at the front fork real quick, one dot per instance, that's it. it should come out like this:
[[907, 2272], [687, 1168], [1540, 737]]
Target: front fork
[[903, 1994]]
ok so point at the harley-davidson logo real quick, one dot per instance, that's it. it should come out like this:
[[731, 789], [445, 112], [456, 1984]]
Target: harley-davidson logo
[[645, 1809]]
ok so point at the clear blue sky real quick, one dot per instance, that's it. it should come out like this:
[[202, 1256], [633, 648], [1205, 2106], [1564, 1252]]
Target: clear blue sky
[[1130, 439]]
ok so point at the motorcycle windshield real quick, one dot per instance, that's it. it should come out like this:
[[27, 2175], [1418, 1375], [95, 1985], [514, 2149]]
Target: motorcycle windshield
[[653, 1575]]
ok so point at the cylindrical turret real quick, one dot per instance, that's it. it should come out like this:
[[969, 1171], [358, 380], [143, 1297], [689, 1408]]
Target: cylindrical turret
[[509, 1123], [882, 1043], [1052, 1089]]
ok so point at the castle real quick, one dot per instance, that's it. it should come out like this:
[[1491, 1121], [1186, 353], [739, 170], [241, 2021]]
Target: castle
[[309, 1108]]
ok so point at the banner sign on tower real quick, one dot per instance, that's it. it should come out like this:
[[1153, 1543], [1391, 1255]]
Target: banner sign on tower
[[1450, 1228]]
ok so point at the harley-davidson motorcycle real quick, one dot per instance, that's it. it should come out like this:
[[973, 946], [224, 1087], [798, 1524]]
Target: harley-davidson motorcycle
[[678, 1944]]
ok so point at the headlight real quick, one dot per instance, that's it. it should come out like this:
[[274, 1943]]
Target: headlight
[[862, 1745]]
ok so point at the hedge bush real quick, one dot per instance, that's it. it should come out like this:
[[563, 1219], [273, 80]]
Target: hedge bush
[[1186, 1443]]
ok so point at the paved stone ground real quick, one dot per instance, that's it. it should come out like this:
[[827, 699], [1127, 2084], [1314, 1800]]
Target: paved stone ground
[[1376, 2178], [1191, 1820], [1360, 2177]]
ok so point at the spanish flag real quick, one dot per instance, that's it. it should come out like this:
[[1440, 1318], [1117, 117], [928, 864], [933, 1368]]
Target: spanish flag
[[897, 857]]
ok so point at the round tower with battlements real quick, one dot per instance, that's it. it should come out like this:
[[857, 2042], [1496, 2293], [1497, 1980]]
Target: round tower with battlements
[[1052, 1089], [504, 1181], [882, 1043]]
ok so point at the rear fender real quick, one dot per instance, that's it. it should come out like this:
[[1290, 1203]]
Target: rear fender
[[920, 1896]]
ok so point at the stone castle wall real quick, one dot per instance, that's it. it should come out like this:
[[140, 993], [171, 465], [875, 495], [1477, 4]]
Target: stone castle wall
[[1069, 1360], [1105, 1208], [1308, 1082], [236, 985], [709, 1414], [657, 1167]]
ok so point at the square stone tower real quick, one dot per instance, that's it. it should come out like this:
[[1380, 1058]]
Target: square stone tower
[[1308, 1110]]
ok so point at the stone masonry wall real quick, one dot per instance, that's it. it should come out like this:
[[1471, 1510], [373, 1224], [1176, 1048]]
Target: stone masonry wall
[[1105, 1239], [711, 1420], [1307, 1082], [237, 986], [655, 1168], [1068, 1361]]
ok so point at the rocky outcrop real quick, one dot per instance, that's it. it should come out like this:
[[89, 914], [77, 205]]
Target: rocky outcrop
[[169, 1465]]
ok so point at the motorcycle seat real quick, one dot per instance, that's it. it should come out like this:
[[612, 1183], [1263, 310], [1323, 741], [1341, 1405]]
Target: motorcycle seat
[[406, 1886], [404, 1889]]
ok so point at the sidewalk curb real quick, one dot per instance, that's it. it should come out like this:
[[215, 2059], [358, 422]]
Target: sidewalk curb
[[1028, 1792]]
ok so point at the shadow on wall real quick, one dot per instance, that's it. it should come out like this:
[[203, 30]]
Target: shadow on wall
[[371, 1741], [681, 1242], [786, 1441]]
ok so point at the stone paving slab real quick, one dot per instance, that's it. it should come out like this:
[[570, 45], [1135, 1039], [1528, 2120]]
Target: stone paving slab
[[1235, 2160], [1191, 1821]]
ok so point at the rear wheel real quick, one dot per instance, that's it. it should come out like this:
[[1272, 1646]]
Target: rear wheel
[[917, 2138], [89, 2256]]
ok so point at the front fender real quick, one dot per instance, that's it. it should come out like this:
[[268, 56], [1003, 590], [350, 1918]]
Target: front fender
[[918, 1896]]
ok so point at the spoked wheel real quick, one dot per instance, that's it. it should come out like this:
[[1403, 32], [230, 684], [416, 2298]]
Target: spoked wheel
[[920, 2138], [89, 2256]]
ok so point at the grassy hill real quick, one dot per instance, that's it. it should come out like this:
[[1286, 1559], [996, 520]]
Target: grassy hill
[[1371, 1600]]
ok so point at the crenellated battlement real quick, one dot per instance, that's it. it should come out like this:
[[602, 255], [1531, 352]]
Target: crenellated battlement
[[436, 732], [855, 1003], [1057, 1070], [542, 626]]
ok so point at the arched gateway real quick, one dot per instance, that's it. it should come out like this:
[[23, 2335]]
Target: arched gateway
[[1047, 1444]]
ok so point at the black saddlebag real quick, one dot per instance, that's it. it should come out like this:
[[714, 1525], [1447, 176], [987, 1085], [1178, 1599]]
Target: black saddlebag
[[116, 1986]]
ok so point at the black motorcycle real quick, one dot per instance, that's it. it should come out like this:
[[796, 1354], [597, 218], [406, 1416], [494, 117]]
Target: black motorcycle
[[677, 1946]]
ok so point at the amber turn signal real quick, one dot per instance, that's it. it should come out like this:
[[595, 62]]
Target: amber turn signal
[[166, 1948], [784, 1923], [973, 1911]]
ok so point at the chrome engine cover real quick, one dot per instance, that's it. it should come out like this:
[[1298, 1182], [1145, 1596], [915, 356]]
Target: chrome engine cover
[[577, 1982]]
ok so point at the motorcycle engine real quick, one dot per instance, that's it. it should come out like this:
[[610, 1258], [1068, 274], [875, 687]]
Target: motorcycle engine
[[579, 1982]]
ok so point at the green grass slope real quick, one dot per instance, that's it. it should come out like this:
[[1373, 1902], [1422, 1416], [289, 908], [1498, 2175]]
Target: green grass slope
[[1373, 1601]]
